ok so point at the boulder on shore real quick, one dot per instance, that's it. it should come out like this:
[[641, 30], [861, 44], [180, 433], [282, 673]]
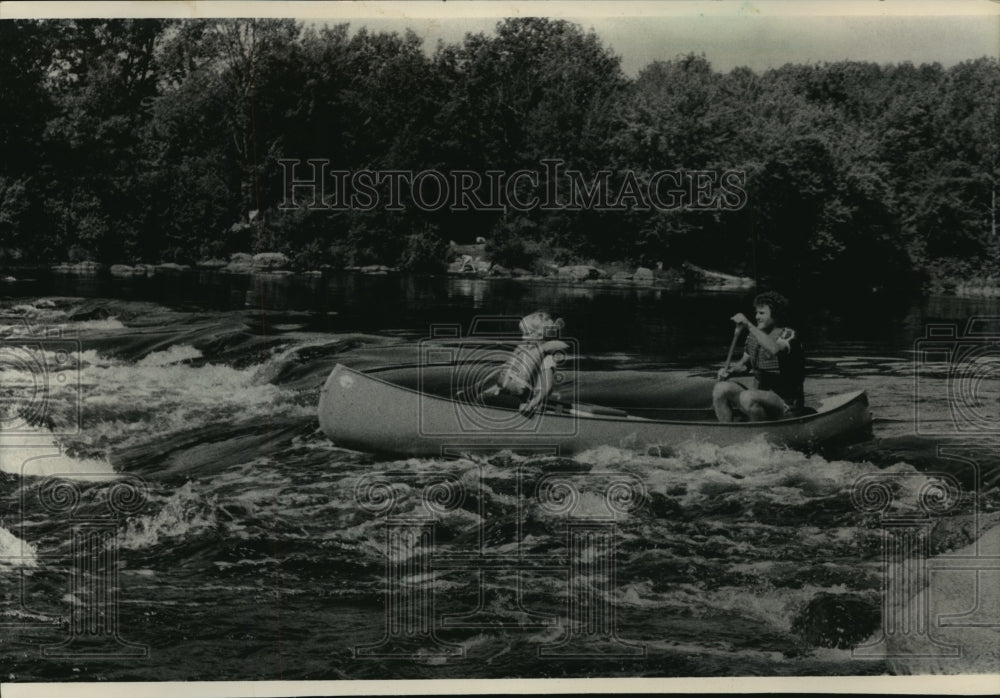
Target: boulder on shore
[[465, 264], [643, 275], [375, 269], [140, 269], [270, 260], [239, 263], [78, 268], [580, 272]]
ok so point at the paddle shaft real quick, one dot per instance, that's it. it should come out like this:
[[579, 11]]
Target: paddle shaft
[[732, 346], [588, 408]]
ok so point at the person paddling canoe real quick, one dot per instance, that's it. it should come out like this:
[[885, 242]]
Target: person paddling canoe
[[773, 355], [528, 373]]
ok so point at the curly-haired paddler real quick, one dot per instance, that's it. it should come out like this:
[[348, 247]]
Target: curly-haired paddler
[[773, 355]]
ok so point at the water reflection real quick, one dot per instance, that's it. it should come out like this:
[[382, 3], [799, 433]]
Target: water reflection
[[468, 288], [661, 324]]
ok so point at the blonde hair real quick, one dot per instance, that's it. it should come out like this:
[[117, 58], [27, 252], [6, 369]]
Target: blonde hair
[[540, 324]]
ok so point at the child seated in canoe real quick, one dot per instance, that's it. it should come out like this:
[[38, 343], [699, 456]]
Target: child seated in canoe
[[528, 374], [773, 355]]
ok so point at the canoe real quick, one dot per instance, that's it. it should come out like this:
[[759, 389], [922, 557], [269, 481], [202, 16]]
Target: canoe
[[365, 411], [651, 394]]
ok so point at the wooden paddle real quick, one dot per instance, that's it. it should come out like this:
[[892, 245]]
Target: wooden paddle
[[588, 409], [732, 345]]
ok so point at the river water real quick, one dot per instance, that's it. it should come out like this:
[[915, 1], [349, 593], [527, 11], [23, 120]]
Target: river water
[[247, 554]]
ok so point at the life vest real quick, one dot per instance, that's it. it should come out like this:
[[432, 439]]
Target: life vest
[[520, 374], [783, 373]]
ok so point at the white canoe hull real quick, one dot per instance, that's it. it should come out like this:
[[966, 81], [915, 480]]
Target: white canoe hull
[[360, 411]]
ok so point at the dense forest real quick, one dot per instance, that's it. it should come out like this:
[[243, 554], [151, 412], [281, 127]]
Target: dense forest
[[158, 140]]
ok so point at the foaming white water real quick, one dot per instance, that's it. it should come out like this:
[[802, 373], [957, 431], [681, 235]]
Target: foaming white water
[[186, 513], [16, 553], [109, 381], [173, 355], [39, 313], [267, 371], [756, 467], [126, 402], [111, 323], [35, 453]]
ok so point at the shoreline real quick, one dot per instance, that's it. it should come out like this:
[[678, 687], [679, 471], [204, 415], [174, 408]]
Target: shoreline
[[584, 276], [672, 279]]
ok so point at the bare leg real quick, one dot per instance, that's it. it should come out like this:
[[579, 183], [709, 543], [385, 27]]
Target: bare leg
[[761, 405], [757, 413], [724, 396]]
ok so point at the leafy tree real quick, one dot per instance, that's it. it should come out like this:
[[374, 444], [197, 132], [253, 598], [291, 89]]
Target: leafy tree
[[156, 139], [101, 79]]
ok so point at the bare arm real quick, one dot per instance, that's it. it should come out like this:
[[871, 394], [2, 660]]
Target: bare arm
[[763, 338], [738, 367], [741, 365]]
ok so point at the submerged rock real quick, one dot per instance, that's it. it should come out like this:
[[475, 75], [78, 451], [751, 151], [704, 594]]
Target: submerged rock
[[97, 313], [837, 620]]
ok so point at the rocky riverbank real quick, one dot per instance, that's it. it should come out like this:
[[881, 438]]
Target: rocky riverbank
[[472, 261], [955, 616], [276, 263], [239, 263], [684, 276]]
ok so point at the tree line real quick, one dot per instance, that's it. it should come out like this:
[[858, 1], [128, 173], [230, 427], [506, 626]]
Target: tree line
[[160, 140]]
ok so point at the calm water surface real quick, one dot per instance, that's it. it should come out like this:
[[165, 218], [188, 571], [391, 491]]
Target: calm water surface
[[251, 558]]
